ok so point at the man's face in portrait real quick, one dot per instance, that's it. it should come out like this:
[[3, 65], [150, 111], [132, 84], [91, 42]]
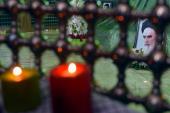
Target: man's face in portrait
[[149, 36]]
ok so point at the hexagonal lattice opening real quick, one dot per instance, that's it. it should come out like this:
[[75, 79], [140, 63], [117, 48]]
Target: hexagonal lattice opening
[[49, 61], [105, 74], [5, 56], [26, 58], [25, 25], [75, 58], [106, 34], [50, 30], [139, 81]]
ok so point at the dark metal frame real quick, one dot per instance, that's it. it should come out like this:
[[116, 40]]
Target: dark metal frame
[[158, 60]]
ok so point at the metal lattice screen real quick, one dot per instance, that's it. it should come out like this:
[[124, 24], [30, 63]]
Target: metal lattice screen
[[49, 20], [158, 61]]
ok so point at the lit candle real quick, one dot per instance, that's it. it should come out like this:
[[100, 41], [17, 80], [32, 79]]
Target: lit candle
[[21, 91], [70, 88]]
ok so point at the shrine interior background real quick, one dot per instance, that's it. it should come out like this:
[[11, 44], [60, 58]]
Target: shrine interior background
[[106, 37]]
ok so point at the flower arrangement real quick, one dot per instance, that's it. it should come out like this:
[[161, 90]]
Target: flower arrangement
[[135, 64], [77, 27]]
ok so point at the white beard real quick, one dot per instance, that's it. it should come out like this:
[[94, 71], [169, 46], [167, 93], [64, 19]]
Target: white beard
[[148, 49]]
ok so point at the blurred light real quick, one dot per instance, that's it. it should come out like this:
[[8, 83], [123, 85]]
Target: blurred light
[[72, 68], [17, 71], [145, 81]]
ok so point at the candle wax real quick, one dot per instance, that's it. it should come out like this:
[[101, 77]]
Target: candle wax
[[21, 93], [71, 92]]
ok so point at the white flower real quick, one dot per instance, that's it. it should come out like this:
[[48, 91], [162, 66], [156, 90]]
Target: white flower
[[76, 26]]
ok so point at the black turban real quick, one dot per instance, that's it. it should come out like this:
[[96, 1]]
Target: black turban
[[147, 24]]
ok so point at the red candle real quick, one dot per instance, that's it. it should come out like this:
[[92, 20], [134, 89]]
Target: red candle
[[70, 88]]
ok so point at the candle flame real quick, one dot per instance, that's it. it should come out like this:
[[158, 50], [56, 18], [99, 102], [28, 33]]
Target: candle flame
[[72, 68], [17, 71]]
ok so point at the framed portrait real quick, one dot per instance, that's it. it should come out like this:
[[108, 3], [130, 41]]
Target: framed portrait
[[146, 37]]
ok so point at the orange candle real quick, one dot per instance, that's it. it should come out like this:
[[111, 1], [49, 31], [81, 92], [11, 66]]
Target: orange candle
[[21, 90], [70, 88]]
